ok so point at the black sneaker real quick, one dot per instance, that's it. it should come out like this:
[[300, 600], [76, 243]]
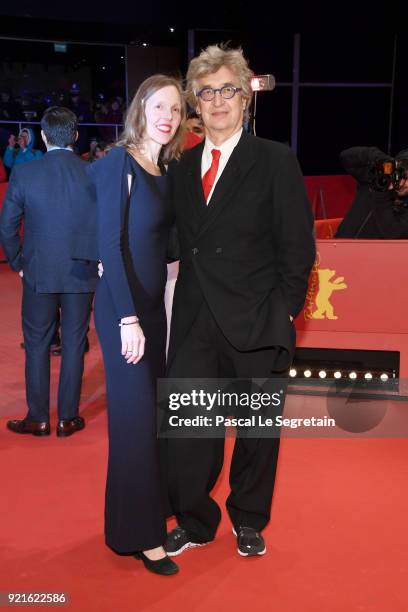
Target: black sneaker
[[250, 542], [179, 540]]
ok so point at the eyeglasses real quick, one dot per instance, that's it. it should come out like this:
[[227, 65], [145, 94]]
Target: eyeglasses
[[227, 92]]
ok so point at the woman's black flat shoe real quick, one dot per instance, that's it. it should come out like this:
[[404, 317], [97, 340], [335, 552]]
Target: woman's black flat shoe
[[164, 567]]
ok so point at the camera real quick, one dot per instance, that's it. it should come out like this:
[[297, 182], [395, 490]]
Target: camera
[[388, 174]]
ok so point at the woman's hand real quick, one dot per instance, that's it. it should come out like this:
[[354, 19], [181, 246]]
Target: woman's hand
[[133, 340]]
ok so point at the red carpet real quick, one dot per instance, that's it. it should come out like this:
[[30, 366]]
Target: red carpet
[[337, 541]]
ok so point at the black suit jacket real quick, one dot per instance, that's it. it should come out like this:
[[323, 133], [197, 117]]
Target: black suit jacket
[[51, 194], [372, 214], [249, 252]]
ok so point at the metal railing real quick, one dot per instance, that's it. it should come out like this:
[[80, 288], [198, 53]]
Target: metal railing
[[23, 123]]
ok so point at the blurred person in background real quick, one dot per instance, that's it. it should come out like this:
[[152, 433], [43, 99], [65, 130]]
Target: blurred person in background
[[376, 212], [194, 130], [21, 150]]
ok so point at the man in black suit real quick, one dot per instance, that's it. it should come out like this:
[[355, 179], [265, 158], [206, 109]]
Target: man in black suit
[[49, 195], [246, 249]]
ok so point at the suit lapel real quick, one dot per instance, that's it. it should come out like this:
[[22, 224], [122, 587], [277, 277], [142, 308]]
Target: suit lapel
[[238, 166], [194, 188]]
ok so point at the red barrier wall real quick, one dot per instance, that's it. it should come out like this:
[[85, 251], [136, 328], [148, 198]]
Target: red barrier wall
[[333, 194], [358, 298]]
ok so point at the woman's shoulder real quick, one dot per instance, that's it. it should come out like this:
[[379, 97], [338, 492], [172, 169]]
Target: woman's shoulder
[[114, 159], [116, 154]]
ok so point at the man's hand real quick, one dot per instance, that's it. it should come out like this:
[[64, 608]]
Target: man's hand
[[133, 340], [21, 273], [100, 269], [291, 318]]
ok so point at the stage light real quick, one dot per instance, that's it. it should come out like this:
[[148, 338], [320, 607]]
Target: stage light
[[292, 372], [144, 44], [368, 376], [384, 377], [307, 373], [103, 67], [337, 374], [171, 29], [353, 375], [263, 82], [322, 374]]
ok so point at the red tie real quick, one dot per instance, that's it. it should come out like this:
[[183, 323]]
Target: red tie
[[209, 177]]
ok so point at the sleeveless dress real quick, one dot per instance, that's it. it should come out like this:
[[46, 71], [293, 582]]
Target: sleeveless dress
[[133, 241]]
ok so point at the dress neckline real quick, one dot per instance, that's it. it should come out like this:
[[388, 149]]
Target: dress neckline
[[161, 166]]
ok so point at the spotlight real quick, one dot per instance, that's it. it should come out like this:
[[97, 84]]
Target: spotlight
[[263, 82], [171, 29], [322, 374], [337, 374], [368, 376], [144, 44], [292, 372], [384, 377], [307, 373], [353, 375]]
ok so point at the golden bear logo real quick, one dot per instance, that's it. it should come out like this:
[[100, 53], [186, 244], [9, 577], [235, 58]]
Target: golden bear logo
[[324, 308]]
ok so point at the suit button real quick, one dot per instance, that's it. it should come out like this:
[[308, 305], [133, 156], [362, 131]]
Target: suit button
[[195, 251], [218, 250]]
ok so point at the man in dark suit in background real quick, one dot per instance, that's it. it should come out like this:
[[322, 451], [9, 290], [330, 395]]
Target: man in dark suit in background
[[374, 213], [49, 195], [246, 249]]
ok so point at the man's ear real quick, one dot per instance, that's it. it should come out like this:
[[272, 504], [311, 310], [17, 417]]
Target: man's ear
[[44, 138]]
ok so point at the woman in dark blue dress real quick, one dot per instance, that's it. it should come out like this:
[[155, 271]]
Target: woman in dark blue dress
[[134, 218]]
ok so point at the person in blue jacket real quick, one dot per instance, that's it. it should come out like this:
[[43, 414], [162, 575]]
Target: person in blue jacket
[[134, 220], [24, 152]]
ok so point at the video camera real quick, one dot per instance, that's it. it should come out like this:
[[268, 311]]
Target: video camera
[[388, 174]]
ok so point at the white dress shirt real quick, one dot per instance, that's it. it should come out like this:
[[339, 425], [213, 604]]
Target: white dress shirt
[[226, 149]]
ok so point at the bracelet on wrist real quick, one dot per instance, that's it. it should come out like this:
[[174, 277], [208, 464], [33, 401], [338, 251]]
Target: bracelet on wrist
[[130, 323]]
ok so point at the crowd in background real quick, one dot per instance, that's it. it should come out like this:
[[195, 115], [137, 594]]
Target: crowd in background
[[17, 147], [30, 108]]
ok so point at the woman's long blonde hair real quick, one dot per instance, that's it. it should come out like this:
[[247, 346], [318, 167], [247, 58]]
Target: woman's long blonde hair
[[135, 122]]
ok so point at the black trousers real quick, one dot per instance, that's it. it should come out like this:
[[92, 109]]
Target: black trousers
[[39, 314], [193, 465]]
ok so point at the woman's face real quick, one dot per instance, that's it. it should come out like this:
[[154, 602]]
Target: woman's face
[[163, 115]]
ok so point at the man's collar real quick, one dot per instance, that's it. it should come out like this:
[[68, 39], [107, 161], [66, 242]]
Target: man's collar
[[59, 149], [228, 144]]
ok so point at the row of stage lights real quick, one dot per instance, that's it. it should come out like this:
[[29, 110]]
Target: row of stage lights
[[293, 373]]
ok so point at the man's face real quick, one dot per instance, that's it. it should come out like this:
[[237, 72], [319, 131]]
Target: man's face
[[221, 117], [403, 190], [194, 124]]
